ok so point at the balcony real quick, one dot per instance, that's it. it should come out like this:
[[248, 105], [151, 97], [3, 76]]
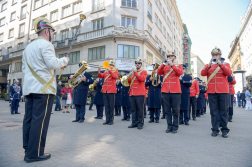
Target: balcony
[[149, 15], [5, 57], [61, 43]]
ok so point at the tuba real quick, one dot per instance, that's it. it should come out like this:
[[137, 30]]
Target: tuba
[[75, 81], [106, 65], [92, 86], [126, 79], [153, 73]]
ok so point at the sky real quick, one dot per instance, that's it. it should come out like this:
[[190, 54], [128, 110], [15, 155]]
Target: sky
[[212, 23]]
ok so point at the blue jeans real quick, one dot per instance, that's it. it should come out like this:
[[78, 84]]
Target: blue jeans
[[58, 105]]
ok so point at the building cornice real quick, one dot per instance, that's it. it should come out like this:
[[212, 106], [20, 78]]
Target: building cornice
[[233, 47]]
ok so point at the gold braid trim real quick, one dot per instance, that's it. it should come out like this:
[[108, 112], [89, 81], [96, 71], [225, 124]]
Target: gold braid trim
[[134, 79], [212, 75], [106, 78], [41, 80], [167, 75]]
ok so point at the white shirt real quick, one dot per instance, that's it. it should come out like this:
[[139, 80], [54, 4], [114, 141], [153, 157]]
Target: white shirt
[[40, 55]]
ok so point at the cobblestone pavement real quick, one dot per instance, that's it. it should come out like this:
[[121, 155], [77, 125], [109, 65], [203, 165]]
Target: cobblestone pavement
[[93, 144]]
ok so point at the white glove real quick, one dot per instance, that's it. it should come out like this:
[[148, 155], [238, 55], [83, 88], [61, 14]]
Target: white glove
[[11, 98]]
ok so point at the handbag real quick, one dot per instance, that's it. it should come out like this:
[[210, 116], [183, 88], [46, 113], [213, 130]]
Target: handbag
[[65, 95], [69, 99]]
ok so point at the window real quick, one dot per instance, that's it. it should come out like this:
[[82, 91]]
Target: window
[[74, 57], [192, 70], [98, 5], [149, 57], [2, 73], [128, 51], [20, 46], [9, 50], [160, 25], [127, 21], [191, 62], [13, 16], [150, 30], [164, 14], [64, 34], [54, 16], [96, 53], [11, 33], [23, 12], [2, 21], [21, 30], [159, 5], [4, 6], [74, 31], [98, 24], [43, 2], [77, 7], [18, 66], [156, 19], [65, 11], [164, 32], [149, 10], [129, 3], [14, 1], [54, 37], [45, 16], [39, 3], [1, 37]]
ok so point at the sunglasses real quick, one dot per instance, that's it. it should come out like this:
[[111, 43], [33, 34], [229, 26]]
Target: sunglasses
[[138, 63]]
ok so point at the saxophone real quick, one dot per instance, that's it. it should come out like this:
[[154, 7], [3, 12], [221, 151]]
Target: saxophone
[[152, 75], [126, 79]]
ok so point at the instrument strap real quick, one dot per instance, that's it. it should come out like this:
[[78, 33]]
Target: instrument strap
[[212, 75], [47, 85], [106, 77], [134, 79], [167, 74]]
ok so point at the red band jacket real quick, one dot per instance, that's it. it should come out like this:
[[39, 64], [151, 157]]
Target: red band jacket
[[194, 89], [231, 86], [138, 86], [109, 85]]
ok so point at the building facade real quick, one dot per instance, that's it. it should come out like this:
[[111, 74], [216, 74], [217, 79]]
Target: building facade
[[122, 30], [187, 42], [196, 66]]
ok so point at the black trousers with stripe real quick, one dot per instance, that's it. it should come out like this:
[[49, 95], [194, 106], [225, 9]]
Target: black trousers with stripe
[[137, 110], [38, 109], [109, 102]]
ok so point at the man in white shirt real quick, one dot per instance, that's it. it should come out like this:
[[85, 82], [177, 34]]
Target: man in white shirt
[[38, 64]]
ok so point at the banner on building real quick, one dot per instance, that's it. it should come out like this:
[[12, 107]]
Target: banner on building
[[125, 65]]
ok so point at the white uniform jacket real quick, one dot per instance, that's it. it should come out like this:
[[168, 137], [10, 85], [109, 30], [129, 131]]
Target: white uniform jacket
[[40, 55]]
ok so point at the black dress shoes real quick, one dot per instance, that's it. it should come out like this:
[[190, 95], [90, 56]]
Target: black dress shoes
[[194, 119], [99, 117], [140, 127], [128, 119], [40, 158], [132, 126], [17, 113], [75, 120], [225, 135], [12, 113], [105, 123], [174, 131], [215, 134], [163, 117], [151, 121], [230, 120], [157, 121], [95, 117], [110, 123], [186, 123], [168, 131], [181, 123], [80, 121], [124, 119]]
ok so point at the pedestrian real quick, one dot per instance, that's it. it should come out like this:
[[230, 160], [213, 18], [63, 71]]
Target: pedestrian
[[125, 101], [171, 91], [248, 99], [118, 98], [243, 98], [200, 99], [15, 96], [154, 82], [238, 98], [232, 92], [98, 100], [109, 91], [81, 93], [234, 101], [38, 64], [185, 83], [58, 96], [137, 94], [218, 91], [66, 92]]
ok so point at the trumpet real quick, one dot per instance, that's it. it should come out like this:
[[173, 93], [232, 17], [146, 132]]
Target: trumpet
[[165, 62], [214, 60]]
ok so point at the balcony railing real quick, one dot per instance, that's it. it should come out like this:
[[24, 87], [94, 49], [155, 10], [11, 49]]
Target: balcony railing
[[98, 7], [5, 57], [150, 16], [61, 43]]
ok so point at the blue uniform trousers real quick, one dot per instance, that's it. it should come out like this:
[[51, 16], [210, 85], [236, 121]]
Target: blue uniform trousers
[[118, 110], [92, 102], [126, 112], [80, 112], [99, 109], [58, 105], [184, 116], [14, 106], [155, 111]]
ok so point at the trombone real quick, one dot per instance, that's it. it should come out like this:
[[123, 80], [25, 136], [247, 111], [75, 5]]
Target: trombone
[[105, 65]]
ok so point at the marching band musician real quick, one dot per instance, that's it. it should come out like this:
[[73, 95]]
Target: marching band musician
[[118, 99], [98, 100], [203, 99], [126, 102], [146, 100], [185, 83], [200, 99], [109, 91], [137, 94], [80, 94], [15, 95], [194, 94], [232, 92], [171, 91], [154, 95], [217, 90], [38, 64]]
